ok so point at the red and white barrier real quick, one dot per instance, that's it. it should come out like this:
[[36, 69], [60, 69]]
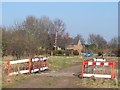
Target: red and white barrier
[[112, 64], [98, 63], [97, 75], [42, 65]]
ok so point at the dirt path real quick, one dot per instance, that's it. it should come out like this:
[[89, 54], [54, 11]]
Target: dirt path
[[64, 78]]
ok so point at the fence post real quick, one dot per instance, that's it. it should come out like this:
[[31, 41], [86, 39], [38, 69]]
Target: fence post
[[82, 68], [8, 68], [39, 64], [42, 63], [46, 62], [112, 75], [29, 65]]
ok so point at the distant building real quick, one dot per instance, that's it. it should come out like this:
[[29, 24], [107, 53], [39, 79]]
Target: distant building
[[77, 47], [59, 48]]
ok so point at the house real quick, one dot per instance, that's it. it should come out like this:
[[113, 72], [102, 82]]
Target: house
[[59, 48], [77, 47]]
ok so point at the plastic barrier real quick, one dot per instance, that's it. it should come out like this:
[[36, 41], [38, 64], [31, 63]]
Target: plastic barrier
[[98, 69], [99, 60], [27, 66]]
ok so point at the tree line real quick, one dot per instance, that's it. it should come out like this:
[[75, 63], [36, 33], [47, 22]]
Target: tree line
[[33, 35]]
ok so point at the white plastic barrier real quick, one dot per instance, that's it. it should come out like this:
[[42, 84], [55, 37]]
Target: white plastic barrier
[[97, 75], [99, 60], [29, 61], [89, 74]]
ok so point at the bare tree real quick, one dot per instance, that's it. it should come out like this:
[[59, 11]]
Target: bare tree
[[59, 28], [78, 37], [6, 37], [97, 40], [67, 40], [17, 43], [30, 36], [114, 43], [26, 38]]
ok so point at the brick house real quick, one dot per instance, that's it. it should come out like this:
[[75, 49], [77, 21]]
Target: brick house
[[77, 47]]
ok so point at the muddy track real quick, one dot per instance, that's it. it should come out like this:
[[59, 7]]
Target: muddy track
[[64, 78]]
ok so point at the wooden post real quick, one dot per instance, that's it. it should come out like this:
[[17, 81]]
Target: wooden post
[[8, 68], [29, 65]]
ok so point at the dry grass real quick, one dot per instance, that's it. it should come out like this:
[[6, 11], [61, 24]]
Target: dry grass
[[98, 83]]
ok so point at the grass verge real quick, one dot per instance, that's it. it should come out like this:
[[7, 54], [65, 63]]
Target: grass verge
[[59, 62]]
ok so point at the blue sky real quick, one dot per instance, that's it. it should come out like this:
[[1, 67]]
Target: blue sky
[[80, 17]]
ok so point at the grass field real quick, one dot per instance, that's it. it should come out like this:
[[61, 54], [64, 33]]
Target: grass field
[[59, 62]]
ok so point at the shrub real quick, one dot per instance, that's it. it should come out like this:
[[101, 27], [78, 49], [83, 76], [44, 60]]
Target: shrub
[[61, 52], [67, 53], [75, 52], [41, 52], [58, 54]]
